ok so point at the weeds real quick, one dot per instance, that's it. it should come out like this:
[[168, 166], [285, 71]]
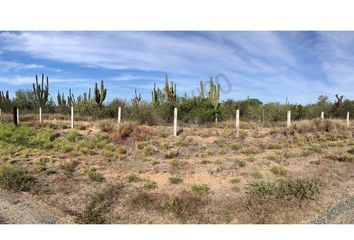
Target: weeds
[[279, 170], [200, 188], [99, 205], [15, 178], [93, 175], [175, 180]]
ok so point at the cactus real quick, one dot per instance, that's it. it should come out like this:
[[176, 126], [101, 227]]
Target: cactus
[[41, 93], [170, 91], [201, 94], [71, 99], [157, 96], [100, 94], [61, 100], [214, 97], [137, 98]]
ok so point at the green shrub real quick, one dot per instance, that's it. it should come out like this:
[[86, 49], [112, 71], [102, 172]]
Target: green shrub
[[15, 178], [235, 180], [73, 136], [149, 150], [100, 203], [133, 178], [175, 180], [150, 185], [171, 154], [69, 168], [200, 188], [279, 170], [299, 188], [93, 175]]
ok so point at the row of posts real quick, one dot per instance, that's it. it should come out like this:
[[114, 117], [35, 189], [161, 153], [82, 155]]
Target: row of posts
[[288, 122]]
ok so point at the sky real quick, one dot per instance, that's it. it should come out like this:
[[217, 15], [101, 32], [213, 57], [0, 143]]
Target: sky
[[270, 66]]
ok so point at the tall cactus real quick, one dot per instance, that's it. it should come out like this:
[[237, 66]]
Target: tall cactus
[[170, 91], [214, 97], [157, 96], [201, 94], [41, 93], [71, 99], [61, 100], [100, 94]]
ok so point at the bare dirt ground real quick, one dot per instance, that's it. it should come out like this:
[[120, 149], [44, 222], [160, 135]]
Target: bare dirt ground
[[102, 173]]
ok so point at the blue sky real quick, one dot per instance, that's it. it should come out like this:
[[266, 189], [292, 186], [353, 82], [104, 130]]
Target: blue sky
[[266, 65]]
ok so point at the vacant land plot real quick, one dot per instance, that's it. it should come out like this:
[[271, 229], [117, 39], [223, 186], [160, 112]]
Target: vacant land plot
[[103, 172]]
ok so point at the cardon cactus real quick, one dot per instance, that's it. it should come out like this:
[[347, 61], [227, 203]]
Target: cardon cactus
[[100, 94], [41, 93], [71, 99], [214, 97], [170, 91]]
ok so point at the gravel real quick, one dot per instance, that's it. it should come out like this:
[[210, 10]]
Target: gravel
[[24, 209], [343, 212]]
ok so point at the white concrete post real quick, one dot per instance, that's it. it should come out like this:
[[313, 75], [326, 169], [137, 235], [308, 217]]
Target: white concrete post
[[119, 114], [0, 112], [72, 117], [237, 122], [348, 121], [288, 122], [40, 115], [322, 116], [18, 115], [175, 123]]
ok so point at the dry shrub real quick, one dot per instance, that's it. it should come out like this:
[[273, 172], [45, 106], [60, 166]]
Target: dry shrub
[[268, 199], [99, 204], [185, 205]]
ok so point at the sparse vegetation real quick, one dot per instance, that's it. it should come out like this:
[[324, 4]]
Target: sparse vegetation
[[93, 175], [15, 178], [200, 188], [175, 180]]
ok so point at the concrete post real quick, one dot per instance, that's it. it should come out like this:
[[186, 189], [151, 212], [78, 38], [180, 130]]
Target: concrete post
[[175, 123], [237, 122], [18, 115], [288, 122], [40, 115], [0, 112], [322, 116], [72, 117], [348, 121], [119, 114]]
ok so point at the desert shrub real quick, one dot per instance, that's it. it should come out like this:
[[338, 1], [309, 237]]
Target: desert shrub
[[279, 170], [141, 199], [93, 175], [133, 178], [106, 126], [149, 150], [351, 151], [45, 139], [15, 178], [171, 154], [251, 150], [257, 175], [342, 157], [235, 180], [99, 204], [125, 130], [64, 145], [299, 188], [175, 180], [184, 205], [73, 136], [239, 163], [69, 168], [200, 188], [148, 184]]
